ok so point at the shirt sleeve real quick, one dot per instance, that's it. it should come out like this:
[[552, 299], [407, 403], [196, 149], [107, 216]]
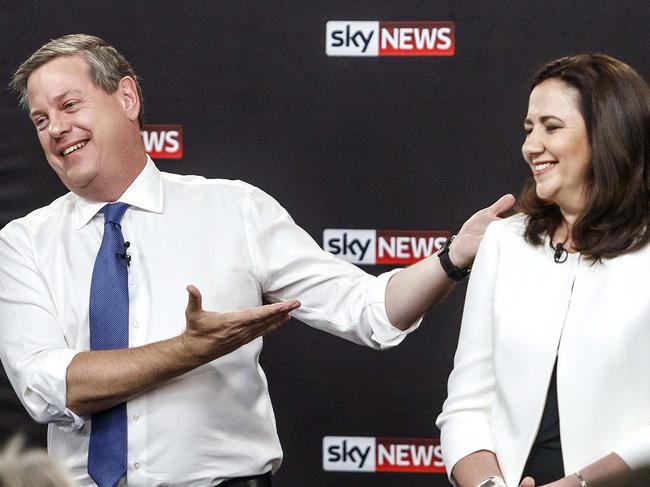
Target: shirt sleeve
[[33, 348], [465, 419], [336, 296]]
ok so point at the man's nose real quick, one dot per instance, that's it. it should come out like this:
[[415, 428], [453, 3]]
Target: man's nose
[[59, 125]]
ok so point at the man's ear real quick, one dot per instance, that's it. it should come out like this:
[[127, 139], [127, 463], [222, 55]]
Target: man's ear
[[127, 92]]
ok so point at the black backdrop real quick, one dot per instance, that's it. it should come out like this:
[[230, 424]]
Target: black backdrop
[[388, 143]]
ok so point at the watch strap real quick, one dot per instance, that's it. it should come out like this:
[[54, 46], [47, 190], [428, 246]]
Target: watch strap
[[453, 271]]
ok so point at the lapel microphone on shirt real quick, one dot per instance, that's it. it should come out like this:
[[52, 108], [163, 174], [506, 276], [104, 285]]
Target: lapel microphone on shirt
[[127, 257]]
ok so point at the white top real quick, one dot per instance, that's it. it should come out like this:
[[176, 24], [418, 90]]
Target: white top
[[521, 308], [236, 244]]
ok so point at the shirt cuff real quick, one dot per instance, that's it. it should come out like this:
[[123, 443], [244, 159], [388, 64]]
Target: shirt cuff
[[44, 394], [383, 332]]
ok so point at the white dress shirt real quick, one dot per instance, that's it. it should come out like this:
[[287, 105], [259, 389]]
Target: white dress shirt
[[236, 244], [521, 311]]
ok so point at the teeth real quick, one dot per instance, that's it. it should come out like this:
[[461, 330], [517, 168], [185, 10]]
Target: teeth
[[541, 167], [74, 148]]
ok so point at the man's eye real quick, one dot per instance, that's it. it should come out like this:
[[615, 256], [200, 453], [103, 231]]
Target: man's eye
[[69, 104], [40, 122]]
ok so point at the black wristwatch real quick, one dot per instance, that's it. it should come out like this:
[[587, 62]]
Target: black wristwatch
[[456, 273]]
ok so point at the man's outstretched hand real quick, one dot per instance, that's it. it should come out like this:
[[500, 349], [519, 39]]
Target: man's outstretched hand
[[210, 334]]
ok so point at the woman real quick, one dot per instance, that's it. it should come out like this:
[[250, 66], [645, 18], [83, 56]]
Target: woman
[[551, 381]]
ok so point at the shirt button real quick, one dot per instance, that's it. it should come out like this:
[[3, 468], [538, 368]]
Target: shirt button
[[136, 465], [136, 417], [136, 324]]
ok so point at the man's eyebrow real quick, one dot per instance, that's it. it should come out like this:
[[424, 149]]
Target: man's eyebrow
[[32, 113], [57, 98]]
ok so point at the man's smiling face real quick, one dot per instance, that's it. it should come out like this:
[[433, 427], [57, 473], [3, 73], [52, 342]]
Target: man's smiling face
[[81, 128]]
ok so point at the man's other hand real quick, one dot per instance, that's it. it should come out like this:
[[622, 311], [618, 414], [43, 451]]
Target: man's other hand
[[464, 247]]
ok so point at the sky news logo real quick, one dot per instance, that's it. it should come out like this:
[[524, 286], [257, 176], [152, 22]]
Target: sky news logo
[[369, 454], [388, 38], [383, 247], [163, 141]]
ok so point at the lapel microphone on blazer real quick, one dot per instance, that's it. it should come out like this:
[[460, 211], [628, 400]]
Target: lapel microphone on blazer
[[560, 255]]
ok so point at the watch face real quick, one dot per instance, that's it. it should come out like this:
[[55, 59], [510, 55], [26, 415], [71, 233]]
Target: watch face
[[492, 482]]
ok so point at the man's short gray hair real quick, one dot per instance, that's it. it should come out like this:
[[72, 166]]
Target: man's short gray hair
[[106, 66]]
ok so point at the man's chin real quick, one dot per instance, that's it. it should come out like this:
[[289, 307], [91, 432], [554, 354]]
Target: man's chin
[[79, 183]]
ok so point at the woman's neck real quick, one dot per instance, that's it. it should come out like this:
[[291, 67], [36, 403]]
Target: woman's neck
[[564, 232]]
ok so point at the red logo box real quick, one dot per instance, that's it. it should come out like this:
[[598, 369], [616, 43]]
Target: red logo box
[[417, 38], [163, 141]]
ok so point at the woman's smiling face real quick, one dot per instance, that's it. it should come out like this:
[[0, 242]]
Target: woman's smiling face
[[557, 145]]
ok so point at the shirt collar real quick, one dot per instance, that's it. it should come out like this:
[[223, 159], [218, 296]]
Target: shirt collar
[[145, 193]]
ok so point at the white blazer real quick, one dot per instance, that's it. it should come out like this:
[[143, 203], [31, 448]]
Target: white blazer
[[521, 310]]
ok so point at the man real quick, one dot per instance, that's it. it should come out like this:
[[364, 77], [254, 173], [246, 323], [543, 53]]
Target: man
[[192, 397]]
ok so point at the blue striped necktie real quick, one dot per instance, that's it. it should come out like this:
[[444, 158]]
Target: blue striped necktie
[[109, 329]]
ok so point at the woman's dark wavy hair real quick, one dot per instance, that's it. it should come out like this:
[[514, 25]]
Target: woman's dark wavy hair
[[615, 105]]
